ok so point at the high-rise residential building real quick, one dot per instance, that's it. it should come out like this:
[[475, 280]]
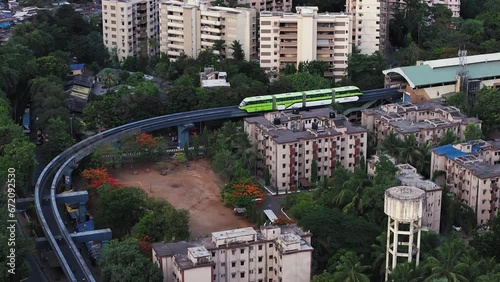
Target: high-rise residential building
[[267, 5], [272, 253], [369, 24], [288, 38], [453, 5], [409, 176], [471, 172], [130, 27], [428, 121], [192, 26], [290, 142]]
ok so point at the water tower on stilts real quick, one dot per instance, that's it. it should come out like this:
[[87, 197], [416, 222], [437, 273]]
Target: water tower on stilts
[[404, 207]]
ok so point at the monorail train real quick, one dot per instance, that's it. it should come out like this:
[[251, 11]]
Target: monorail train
[[303, 99]]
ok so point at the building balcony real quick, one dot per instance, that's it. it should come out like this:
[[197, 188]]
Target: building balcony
[[176, 45], [175, 24], [176, 39], [288, 28], [326, 28], [210, 29], [175, 18], [210, 22], [210, 37], [173, 53], [289, 51], [288, 36], [175, 31]]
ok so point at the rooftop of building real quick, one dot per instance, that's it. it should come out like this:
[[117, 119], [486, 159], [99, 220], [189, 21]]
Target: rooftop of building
[[445, 70], [449, 151], [483, 170], [76, 66], [393, 113], [163, 249], [302, 11], [409, 176], [295, 130], [234, 233]]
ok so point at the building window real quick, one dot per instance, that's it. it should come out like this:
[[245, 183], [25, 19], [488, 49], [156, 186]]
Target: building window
[[270, 256], [251, 259], [242, 263], [259, 259], [233, 264], [250, 271], [233, 275], [242, 275], [271, 245], [260, 247], [233, 252], [222, 264], [242, 251], [213, 254], [260, 270], [270, 268]]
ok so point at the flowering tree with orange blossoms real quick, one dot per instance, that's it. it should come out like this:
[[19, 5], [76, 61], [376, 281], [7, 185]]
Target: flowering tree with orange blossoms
[[99, 176], [146, 140], [145, 245], [242, 194]]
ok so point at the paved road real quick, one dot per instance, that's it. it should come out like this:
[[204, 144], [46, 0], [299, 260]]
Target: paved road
[[273, 203]]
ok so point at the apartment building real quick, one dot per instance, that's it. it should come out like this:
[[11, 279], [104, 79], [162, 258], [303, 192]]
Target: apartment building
[[370, 20], [288, 38], [289, 142], [453, 5], [192, 26], [428, 121], [267, 5], [271, 254], [472, 171], [409, 176], [130, 27]]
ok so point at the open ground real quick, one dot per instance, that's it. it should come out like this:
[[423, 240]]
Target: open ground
[[195, 188]]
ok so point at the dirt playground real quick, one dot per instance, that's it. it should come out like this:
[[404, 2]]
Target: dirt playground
[[195, 188]]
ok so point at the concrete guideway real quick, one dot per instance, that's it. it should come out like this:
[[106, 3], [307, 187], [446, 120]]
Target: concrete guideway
[[57, 235]]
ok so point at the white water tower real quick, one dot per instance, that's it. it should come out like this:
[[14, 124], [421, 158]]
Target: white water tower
[[404, 206]]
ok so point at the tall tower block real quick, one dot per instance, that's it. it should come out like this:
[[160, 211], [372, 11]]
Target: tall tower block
[[404, 206]]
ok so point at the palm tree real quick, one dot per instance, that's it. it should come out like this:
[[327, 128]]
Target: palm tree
[[378, 253], [446, 263], [390, 144], [449, 137], [350, 269], [408, 150], [406, 272], [238, 53], [220, 46], [424, 163]]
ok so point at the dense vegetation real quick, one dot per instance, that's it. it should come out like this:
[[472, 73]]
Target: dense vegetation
[[350, 203]]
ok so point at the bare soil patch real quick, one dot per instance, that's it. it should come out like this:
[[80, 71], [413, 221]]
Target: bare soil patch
[[195, 188]]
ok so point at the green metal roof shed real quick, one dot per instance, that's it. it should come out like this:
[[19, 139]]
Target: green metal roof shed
[[445, 70]]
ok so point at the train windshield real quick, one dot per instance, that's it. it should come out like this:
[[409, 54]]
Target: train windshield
[[242, 104]]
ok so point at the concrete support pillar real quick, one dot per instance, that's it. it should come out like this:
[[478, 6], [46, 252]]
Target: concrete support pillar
[[82, 209], [183, 134]]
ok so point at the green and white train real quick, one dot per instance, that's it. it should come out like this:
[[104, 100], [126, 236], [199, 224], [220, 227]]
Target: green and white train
[[295, 100]]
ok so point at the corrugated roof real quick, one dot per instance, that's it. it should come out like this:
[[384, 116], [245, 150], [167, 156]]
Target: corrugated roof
[[449, 151], [445, 70]]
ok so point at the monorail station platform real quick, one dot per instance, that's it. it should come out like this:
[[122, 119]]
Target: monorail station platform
[[433, 79]]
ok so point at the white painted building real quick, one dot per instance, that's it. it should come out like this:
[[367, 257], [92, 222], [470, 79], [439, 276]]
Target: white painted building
[[369, 25], [192, 26], [288, 38], [271, 254]]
